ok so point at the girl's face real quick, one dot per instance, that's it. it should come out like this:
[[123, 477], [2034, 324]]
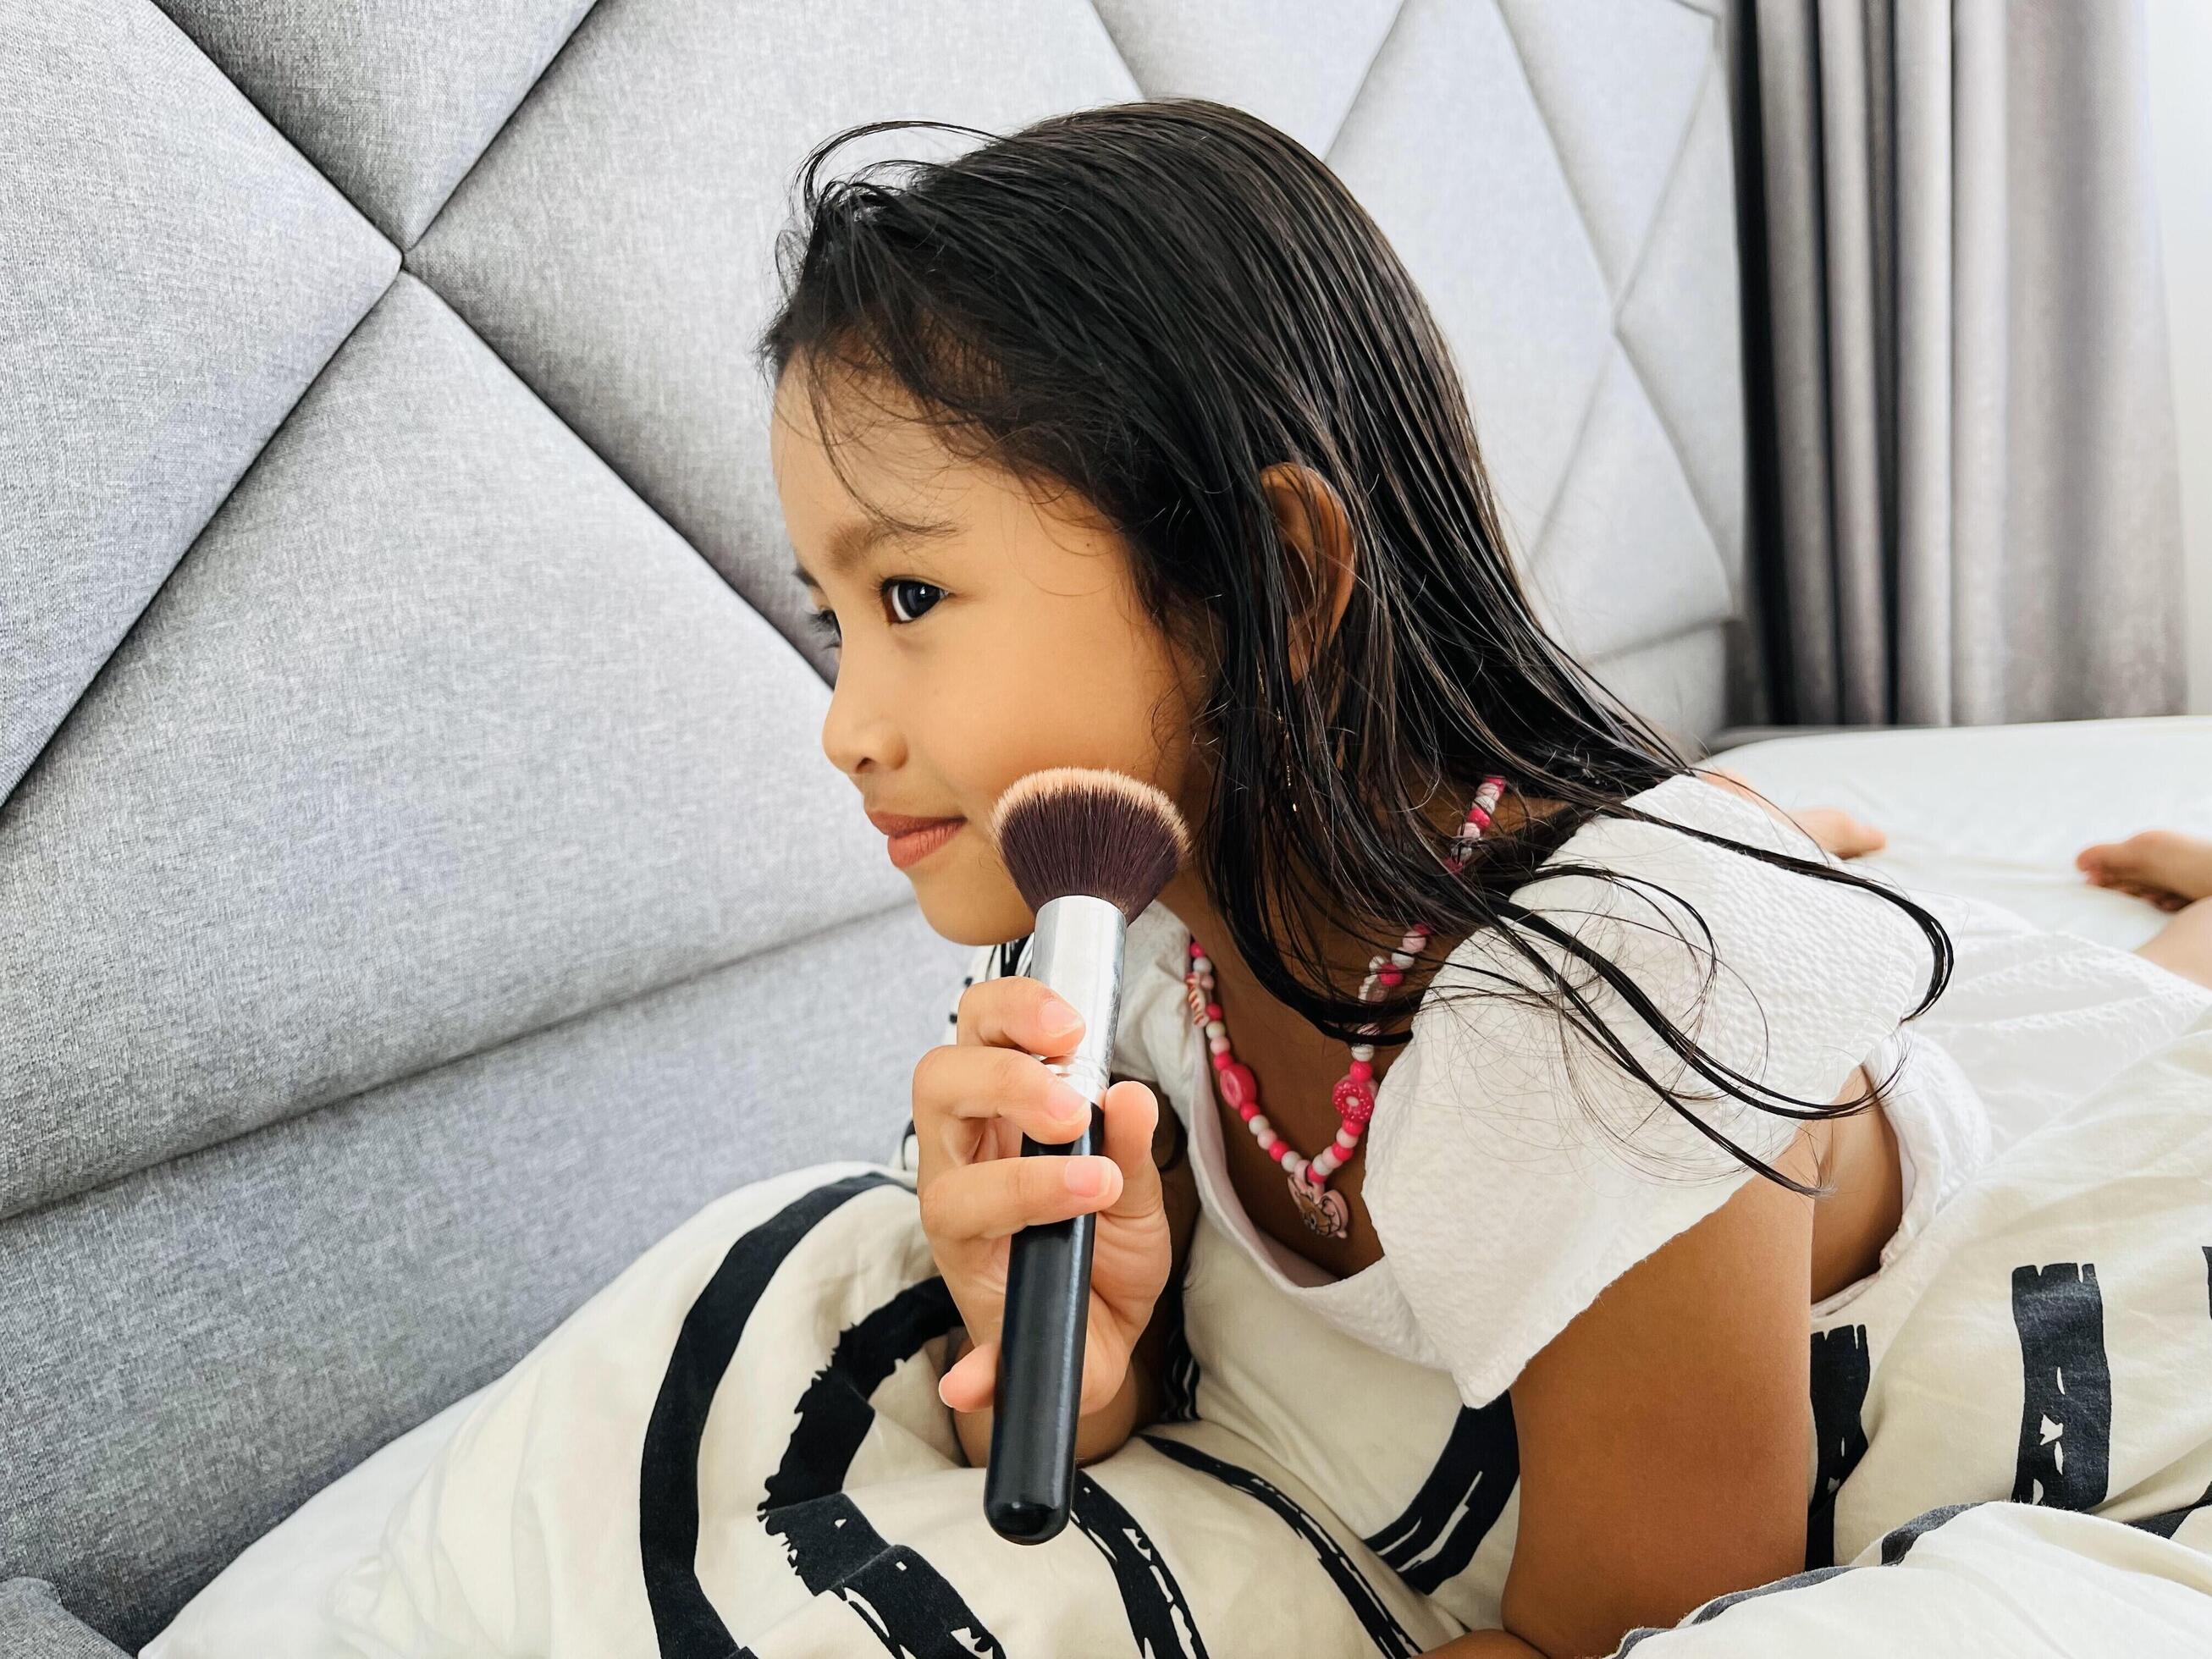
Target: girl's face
[[1008, 637]]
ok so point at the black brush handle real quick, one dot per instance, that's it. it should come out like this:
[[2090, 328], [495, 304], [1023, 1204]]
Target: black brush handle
[[1031, 1483]]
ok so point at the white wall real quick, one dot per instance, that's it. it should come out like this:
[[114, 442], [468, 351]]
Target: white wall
[[2181, 43]]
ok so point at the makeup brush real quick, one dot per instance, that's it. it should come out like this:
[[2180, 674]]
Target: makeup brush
[[1090, 850]]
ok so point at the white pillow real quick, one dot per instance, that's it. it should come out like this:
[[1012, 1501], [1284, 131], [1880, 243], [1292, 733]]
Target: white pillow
[[271, 1599]]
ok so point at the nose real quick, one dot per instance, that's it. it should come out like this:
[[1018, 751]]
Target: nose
[[856, 731]]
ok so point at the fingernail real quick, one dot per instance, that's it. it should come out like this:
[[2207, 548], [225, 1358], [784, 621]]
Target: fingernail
[[1058, 1015], [1086, 1176], [1068, 1105]]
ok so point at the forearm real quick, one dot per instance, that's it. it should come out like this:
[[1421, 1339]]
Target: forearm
[[1097, 1434], [1485, 1644]]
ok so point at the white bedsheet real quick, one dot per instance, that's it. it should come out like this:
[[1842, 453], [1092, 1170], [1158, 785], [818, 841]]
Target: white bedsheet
[[1995, 814], [1998, 812]]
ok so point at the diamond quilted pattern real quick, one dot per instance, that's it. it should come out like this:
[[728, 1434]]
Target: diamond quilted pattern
[[614, 244], [1680, 323], [1446, 147], [1616, 84], [1297, 64], [1625, 491], [395, 106], [162, 303]]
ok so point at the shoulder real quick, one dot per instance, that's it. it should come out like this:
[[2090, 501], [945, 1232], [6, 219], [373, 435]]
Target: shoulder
[[1517, 1164], [1788, 974]]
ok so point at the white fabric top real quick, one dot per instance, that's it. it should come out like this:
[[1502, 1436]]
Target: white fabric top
[[1514, 1169]]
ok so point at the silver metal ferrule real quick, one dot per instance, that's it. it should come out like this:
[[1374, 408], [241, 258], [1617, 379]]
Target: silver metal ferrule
[[1075, 951]]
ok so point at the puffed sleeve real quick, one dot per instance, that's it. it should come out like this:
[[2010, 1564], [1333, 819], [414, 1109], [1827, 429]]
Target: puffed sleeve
[[1516, 1170]]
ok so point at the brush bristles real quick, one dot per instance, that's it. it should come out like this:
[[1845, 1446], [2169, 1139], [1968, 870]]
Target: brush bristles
[[1085, 830]]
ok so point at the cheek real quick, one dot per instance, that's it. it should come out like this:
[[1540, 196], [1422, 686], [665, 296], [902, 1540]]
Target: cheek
[[1095, 695]]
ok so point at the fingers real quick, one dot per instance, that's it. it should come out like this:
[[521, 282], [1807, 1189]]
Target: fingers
[[954, 1081], [1016, 1011], [969, 1384], [974, 1203]]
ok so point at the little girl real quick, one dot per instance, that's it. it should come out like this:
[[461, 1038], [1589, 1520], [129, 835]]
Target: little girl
[[1127, 442]]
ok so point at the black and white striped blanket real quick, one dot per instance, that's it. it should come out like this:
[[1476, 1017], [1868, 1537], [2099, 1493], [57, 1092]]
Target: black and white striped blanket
[[737, 1448]]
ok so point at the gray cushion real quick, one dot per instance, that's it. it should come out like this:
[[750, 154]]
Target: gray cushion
[[393, 103], [176, 275], [194, 1350], [33, 1625], [440, 736]]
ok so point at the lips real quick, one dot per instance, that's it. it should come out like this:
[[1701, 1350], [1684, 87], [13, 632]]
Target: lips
[[902, 824], [914, 845]]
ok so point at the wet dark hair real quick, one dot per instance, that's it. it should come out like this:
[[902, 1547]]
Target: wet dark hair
[[1149, 304]]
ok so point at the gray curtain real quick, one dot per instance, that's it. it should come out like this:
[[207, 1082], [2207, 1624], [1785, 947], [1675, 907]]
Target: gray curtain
[[1964, 480]]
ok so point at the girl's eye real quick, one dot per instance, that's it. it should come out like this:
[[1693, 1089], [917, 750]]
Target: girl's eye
[[900, 612], [911, 610]]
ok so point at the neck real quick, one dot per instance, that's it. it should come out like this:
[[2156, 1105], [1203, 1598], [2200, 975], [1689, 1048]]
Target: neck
[[1344, 952]]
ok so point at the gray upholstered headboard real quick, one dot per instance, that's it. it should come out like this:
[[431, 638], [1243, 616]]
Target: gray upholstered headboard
[[420, 883]]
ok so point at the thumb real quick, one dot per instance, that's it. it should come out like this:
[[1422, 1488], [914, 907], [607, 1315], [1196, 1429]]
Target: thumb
[[1133, 1117], [969, 1384]]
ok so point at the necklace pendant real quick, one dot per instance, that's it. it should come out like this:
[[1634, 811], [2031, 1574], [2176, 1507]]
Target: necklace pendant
[[1322, 1210]]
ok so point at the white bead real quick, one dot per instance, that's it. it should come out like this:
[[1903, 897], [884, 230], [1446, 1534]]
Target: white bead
[[1326, 1164], [1294, 1163], [1219, 1045], [1202, 964], [1214, 1028], [1262, 1131], [1401, 959], [1346, 1139], [1363, 1051]]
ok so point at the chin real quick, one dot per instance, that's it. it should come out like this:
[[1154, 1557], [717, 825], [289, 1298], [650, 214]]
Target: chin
[[968, 909]]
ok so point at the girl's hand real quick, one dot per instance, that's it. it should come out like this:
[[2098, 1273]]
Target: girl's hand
[[974, 1099]]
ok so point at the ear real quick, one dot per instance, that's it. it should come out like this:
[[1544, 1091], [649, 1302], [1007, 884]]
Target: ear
[[1317, 529]]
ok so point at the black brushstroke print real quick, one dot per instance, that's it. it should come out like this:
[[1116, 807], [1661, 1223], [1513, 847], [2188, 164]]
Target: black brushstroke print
[[1160, 1620], [1179, 1370], [1383, 1628], [684, 1621], [1842, 1368], [2066, 1407], [829, 1542], [1458, 1503]]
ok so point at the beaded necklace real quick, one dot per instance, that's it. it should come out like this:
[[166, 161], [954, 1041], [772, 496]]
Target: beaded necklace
[[1322, 1210]]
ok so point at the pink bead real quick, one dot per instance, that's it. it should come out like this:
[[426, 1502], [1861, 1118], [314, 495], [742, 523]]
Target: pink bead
[[1196, 950], [1213, 1011], [1224, 1060], [1248, 1111], [1363, 1069], [1277, 1148], [1354, 1099], [1393, 975], [1236, 1084]]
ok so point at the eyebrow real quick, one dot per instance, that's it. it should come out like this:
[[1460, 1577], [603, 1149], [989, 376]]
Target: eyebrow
[[849, 545]]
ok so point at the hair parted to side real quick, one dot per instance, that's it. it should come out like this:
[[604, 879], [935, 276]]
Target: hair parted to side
[[1150, 303]]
